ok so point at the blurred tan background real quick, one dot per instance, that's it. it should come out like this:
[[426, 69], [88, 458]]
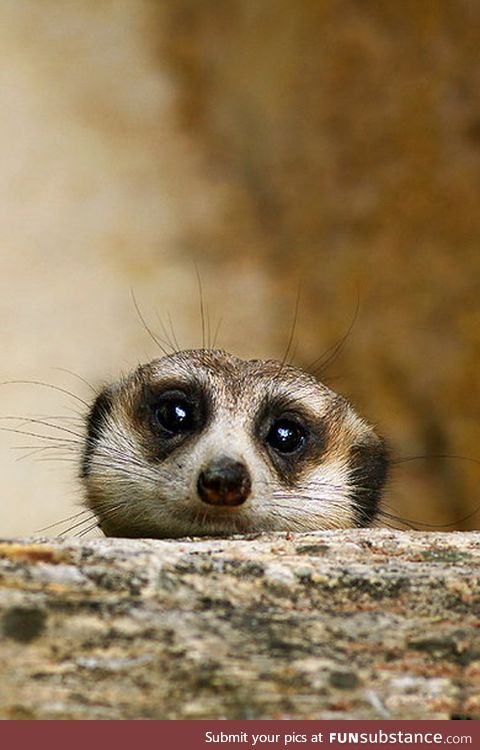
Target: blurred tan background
[[336, 145]]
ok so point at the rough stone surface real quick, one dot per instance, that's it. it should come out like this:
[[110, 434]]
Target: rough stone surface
[[347, 624]]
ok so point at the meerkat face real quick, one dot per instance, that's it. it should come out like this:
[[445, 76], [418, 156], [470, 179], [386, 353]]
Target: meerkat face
[[203, 443]]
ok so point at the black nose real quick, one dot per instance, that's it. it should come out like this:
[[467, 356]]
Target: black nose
[[224, 482]]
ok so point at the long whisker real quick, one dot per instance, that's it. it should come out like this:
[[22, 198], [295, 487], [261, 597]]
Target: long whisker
[[59, 441], [64, 520], [382, 511], [44, 423], [292, 329], [95, 525], [76, 525], [409, 524], [79, 377], [174, 335], [105, 514], [424, 524], [112, 459], [46, 385], [202, 306], [217, 331], [158, 341], [33, 452], [322, 362], [442, 456], [167, 335]]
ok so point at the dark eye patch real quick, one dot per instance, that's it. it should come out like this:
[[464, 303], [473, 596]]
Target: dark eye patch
[[169, 414], [175, 413], [368, 468], [96, 421], [291, 436]]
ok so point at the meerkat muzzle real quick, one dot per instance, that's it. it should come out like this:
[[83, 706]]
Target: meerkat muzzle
[[224, 482]]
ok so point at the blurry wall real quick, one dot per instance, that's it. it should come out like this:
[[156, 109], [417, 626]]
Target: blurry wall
[[331, 145]]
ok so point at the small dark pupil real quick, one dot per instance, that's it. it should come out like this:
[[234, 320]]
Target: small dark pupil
[[285, 437], [174, 416]]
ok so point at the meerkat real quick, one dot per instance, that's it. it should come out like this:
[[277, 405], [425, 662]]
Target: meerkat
[[201, 442]]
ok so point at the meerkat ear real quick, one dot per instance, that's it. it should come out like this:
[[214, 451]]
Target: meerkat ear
[[368, 470], [96, 421]]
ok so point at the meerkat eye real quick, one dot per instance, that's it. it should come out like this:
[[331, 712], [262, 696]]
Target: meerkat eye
[[286, 436], [175, 414]]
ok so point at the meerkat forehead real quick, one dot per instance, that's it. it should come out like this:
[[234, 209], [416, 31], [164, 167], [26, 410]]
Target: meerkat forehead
[[238, 383]]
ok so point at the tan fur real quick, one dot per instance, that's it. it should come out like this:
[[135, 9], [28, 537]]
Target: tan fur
[[133, 493]]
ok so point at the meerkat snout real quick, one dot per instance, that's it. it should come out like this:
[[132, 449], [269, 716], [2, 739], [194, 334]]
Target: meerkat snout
[[224, 482]]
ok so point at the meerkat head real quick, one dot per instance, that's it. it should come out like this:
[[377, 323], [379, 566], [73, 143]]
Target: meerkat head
[[204, 443]]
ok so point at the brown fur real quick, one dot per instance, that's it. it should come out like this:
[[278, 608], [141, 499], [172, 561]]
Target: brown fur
[[141, 480]]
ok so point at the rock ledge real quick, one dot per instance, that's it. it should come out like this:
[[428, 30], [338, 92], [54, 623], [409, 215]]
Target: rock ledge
[[364, 624]]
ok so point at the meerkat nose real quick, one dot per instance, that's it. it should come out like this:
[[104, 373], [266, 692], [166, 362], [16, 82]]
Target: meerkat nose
[[224, 482]]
